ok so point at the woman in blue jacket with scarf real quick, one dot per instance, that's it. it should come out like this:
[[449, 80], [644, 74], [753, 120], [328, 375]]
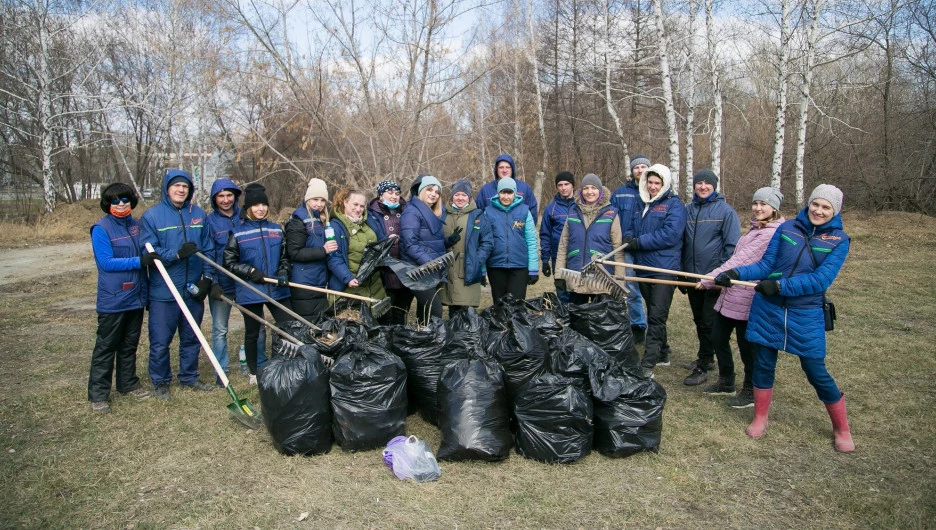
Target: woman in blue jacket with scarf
[[122, 293], [255, 251], [514, 260], [801, 262], [308, 250], [423, 239]]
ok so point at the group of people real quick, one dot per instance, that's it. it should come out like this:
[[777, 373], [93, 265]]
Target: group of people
[[642, 227]]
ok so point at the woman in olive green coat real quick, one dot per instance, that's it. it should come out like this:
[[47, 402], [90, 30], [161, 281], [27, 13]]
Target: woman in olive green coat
[[466, 226]]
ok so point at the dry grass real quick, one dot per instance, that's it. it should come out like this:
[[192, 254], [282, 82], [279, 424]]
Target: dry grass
[[185, 463]]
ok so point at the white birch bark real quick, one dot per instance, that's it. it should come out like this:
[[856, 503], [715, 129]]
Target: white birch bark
[[668, 106], [531, 51], [809, 61], [716, 136], [609, 103], [690, 97], [782, 75], [45, 110]]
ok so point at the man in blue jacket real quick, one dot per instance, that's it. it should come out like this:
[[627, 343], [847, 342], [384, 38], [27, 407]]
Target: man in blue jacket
[[554, 219], [223, 218], [177, 229], [627, 200], [712, 231], [504, 168]]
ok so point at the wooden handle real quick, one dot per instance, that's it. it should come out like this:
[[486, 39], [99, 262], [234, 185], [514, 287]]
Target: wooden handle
[[326, 291], [674, 273], [261, 320]]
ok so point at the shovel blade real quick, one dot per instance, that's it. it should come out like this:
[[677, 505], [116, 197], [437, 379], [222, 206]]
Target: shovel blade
[[244, 412]]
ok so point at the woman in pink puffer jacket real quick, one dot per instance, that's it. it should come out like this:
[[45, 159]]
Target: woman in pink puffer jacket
[[734, 303]]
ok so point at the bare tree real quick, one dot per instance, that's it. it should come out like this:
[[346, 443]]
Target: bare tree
[[717, 98], [783, 68]]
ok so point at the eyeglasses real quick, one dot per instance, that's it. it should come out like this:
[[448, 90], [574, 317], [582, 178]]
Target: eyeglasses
[[117, 200]]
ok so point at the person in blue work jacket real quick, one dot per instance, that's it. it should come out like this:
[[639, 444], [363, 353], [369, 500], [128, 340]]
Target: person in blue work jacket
[[504, 167], [222, 219], [422, 239], [514, 260], [554, 219], [255, 251], [177, 229], [122, 293], [627, 200]]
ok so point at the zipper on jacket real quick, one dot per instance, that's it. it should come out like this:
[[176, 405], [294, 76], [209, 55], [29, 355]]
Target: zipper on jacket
[[266, 265], [785, 331], [136, 248], [184, 240]]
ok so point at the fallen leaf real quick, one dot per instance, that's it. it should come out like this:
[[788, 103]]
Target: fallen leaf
[[303, 516]]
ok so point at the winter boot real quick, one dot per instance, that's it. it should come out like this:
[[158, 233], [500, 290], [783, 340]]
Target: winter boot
[[724, 386], [762, 398], [843, 439], [640, 334]]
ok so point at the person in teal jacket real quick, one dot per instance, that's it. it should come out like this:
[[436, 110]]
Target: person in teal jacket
[[514, 260]]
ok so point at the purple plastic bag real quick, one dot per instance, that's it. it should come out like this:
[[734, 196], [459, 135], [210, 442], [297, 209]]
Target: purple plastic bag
[[411, 458]]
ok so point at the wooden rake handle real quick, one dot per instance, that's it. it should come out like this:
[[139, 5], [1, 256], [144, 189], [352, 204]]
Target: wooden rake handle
[[674, 273], [326, 291], [261, 320]]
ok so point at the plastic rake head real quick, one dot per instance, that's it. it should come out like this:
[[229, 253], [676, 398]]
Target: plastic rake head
[[431, 266]]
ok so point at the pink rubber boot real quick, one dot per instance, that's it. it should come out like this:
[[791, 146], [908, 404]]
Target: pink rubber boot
[[762, 398], [843, 439]]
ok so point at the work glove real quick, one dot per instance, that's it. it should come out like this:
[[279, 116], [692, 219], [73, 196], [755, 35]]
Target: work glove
[[203, 286], [682, 288], [187, 249], [146, 260], [631, 243], [546, 269], [560, 285], [216, 292], [768, 287], [454, 238], [533, 278], [724, 279], [255, 275], [282, 281]]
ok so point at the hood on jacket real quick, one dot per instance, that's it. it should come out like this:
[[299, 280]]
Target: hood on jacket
[[496, 202], [664, 173], [505, 158], [221, 185], [171, 174]]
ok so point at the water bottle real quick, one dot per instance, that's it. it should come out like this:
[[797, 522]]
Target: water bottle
[[192, 289], [242, 355], [329, 233]]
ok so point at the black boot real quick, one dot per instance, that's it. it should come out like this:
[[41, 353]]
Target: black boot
[[640, 334], [724, 386]]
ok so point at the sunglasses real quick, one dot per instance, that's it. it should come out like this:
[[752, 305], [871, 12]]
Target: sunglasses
[[118, 200]]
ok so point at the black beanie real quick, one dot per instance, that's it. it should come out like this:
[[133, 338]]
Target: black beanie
[[565, 176], [705, 175], [255, 194]]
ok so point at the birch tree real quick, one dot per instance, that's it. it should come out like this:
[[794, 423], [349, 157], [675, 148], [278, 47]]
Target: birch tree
[[717, 99], [608, 45], [813, 10], [531, 52], [783, 67], [669, 107], [690, 96]]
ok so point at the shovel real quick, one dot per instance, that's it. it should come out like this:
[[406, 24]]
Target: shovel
[[378, 307], [242, 409]]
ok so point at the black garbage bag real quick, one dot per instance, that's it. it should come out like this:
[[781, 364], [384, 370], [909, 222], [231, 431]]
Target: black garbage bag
[[473, 413], [368, 396], [296, 329], [521, 350], [374, 255], [425, 351], [554, 417], [294, 402], [628, 412], [498, 315], [334, 339], [605, 323], [574, 356], [468, 326]]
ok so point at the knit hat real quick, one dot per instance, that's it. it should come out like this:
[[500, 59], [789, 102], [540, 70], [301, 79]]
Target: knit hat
[[639, 159], [506, 183], [705, 175], [428, 180], [317, 188], [386, 185], [178, 178], [829, 193], [255, 194], [565, 176], [591, 179], [462, 186], [769, 196]]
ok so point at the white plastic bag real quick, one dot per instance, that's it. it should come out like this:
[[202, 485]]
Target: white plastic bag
[[411, 458]]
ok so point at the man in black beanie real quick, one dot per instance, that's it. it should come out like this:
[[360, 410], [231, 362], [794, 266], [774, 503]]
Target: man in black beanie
[[554, 218], [627, 200]]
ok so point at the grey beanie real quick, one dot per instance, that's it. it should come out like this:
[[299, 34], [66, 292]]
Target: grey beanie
[[770, 196], [829, 193], [639, 159], [462, 186], [705, 175], [591, 179]]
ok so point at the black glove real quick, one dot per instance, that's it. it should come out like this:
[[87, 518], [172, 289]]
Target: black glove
[[546, 269], [187, 249], [454, 238], [203, 286], [146, 260], [216, 292], [768, 287], [282, 281], [682, 288], [483, 281], [724, 279], [533, 278], [255, 275], [631, 243], [560, 285]]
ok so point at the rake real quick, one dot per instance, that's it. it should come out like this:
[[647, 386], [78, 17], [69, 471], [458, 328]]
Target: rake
[[599, 279], [594, 262], [378, 307], [592, 281], [432, 266], [669, 271]]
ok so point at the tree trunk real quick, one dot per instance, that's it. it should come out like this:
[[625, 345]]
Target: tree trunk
[[609, 103], [668, 105], [782, 74], [807, 76], [536, 83], [716, 139], [690, 97]]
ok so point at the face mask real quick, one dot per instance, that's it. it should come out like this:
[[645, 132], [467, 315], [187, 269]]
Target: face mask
[[119, 215], [391, 206]]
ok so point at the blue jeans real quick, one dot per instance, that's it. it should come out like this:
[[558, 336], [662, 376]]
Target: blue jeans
[[765, 364], [220, 314], [635, 307], [165, 318]]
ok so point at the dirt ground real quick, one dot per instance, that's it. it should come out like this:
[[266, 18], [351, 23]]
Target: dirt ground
[[32, 263]]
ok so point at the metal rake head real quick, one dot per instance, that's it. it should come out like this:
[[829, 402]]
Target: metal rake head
[[595, 279], [443, 261]]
